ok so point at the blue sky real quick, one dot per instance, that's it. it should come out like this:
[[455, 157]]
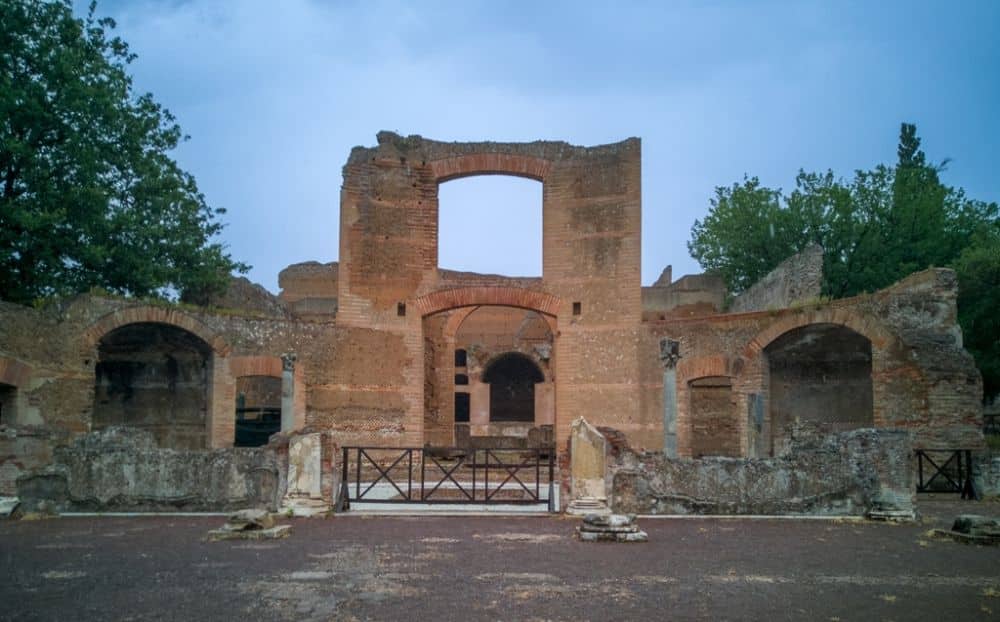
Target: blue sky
[[274, 95]]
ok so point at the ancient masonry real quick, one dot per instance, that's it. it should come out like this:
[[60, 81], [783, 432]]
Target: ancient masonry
[[385, 348]]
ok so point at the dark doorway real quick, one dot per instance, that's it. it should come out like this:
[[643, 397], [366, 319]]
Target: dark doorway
[[512, 378], [462, 409], [8, 397]]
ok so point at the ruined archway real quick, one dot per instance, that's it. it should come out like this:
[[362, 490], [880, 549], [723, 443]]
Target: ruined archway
[[154, 377], [820, 377], [512, 377]]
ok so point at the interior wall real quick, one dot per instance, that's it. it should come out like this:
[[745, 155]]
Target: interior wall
[[820, 376], [154, 376], [714, 424]]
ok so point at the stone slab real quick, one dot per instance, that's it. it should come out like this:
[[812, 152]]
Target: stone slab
[[278, 531]]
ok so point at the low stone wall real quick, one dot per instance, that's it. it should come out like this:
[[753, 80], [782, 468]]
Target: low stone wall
[[839, 475], [122, 469], [23, 449]]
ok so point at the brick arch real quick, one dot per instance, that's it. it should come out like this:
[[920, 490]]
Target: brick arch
[[690, 369], [466, 165], [13, 372], [240, 366], [879, 337], [444, 300], [147, 314]]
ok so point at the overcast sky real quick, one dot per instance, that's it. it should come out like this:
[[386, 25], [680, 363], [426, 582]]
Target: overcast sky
[[275, 94]]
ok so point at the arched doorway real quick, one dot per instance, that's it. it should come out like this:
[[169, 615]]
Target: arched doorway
[[820, 377], [512, 378], [155, 377]]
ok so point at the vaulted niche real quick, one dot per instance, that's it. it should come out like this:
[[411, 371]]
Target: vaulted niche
[[512, 378], [154, 377], [491, 224], [821, 377]]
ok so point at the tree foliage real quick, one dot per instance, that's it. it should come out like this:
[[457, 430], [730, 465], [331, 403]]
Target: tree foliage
[[90, 196], [875, 229]]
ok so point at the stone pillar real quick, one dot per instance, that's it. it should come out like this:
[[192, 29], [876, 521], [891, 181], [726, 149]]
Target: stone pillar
[[288, 392], [669, 355], [588, 469], [305, 476]]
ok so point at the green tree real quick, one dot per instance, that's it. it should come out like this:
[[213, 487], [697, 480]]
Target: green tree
[[875, 229], [90, 196]]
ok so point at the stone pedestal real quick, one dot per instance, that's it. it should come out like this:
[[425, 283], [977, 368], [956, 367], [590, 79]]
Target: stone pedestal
[[610, 528], [588, 465], [305, 477]]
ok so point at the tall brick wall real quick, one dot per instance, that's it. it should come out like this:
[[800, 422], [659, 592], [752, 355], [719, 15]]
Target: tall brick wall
[[591, 246]]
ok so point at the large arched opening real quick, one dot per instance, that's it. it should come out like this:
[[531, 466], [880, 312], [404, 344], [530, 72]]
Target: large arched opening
[[820, 377], [154, 377]]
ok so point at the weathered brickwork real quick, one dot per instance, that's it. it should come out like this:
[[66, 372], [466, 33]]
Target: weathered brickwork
[[364, 348]]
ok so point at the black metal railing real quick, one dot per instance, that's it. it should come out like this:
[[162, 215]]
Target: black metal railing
[[446, 476], [950, 471]]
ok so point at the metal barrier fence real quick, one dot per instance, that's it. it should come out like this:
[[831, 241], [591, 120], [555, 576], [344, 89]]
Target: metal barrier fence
[[955, 471], [447, 476]]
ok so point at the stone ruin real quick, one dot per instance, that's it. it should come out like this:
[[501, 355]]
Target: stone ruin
[[386, 348]]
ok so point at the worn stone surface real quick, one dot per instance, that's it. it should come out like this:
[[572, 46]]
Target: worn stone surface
[[269, 533], [242, 294], [986, 472], [588, 461], [122, 469], [841, 474]]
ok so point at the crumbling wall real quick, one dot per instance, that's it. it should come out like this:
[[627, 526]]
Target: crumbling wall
[[689, 296], [796, 279], [844, 474], [244, 295], [122, 469], [921, 378], [23, 450]]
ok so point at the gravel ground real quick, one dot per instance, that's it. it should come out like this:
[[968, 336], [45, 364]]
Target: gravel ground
[[497, 568]]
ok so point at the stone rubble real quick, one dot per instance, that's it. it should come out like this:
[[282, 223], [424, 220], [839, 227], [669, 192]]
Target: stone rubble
[[250, 525], [610, 528], [973, 529]]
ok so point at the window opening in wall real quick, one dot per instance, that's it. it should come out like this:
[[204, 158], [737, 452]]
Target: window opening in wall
[[577, 308], [462, 408], [461, 379], [400, 309], [258, 410], [491, 224], [460, 358]]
